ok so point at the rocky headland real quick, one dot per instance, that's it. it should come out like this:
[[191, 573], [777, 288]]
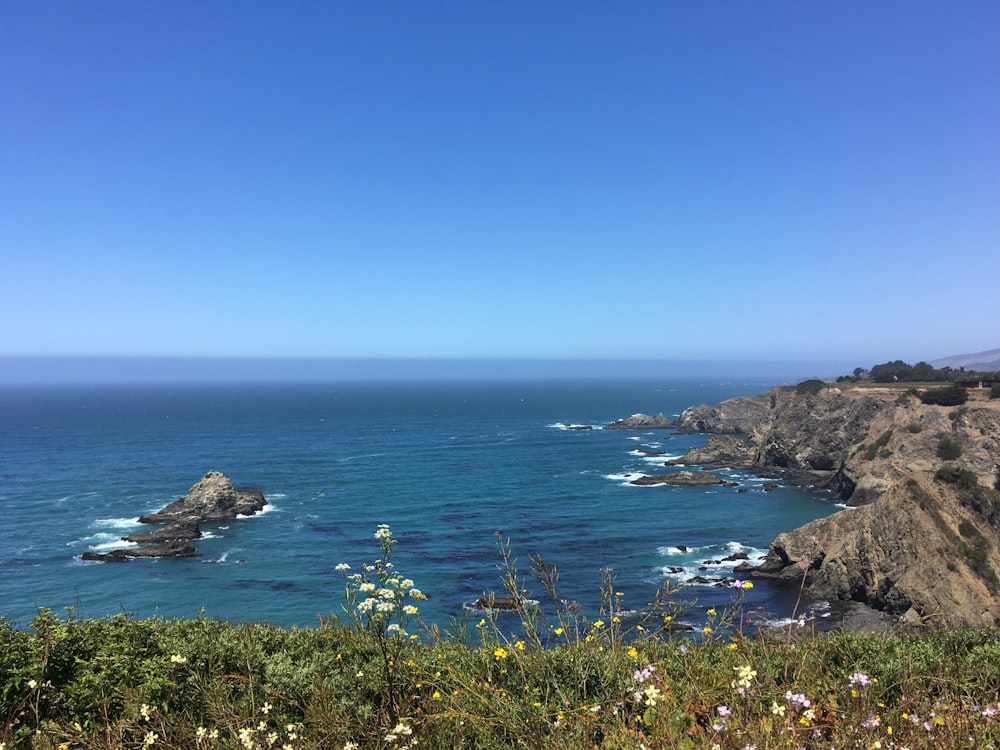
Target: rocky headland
[[921, 541], [213, 499]]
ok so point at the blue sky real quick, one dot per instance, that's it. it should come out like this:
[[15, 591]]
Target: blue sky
[[726, 180]]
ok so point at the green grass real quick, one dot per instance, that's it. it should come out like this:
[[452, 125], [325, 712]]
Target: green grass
[[542, 677]]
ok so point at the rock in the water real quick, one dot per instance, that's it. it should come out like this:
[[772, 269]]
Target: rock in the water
[[169, 549], [640, 422], [212, 499], [681, 478]]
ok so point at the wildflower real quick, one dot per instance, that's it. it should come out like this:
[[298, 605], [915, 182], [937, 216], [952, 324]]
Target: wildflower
[[519, 645], [410, 609], [32, 684], [366, 587], [644, 674], [350, 746], [383, 531], [652, 693], [745, 676], [777, 709], [395, 629], [859, 678], [144, 711], [989, 711], [706, 629], [150, 739], [633, 652], [797, 699], [417, 594], [724, 711], [711, 612], [499, 653], [598, 624], [342, 567], [558, 631], [871, 722], [436, 695], [178, 659]]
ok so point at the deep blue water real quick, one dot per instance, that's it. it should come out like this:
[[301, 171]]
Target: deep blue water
[[447, 465]]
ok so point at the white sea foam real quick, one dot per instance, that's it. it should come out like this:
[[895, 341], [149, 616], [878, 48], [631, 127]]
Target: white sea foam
[[114, 544], [706, 561], [268, 508], [573, 426], [117, 523], [624, 479]]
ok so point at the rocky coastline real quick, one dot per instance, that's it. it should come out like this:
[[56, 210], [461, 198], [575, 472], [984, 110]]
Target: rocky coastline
[[213, 499], [920, 542]]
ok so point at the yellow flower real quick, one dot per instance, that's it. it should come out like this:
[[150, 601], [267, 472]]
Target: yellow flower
[[748, 584], [633, 652], [733, 646], [712, 611], [558, 631], [436, 695], [499, 653], [519, 645], [706, 629], [599, 624]]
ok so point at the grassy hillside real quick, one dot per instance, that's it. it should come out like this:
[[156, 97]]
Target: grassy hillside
[[540, 677]]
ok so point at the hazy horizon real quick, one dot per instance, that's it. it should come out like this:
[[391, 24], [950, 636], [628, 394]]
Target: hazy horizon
[[193, 370]]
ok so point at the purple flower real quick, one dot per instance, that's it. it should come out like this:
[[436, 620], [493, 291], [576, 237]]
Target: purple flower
[[724, 711], [859, 678]]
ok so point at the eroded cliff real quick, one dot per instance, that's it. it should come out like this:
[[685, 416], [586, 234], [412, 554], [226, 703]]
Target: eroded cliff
[[923, 543]]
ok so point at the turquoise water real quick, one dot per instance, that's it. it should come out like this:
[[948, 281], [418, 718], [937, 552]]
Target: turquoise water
[[447, 465]]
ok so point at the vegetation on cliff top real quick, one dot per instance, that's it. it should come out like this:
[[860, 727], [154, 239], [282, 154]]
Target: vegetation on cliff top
[[900, 372], [538, 677]]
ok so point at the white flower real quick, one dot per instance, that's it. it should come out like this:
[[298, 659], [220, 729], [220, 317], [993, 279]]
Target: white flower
[[366, 587], [342, 566]]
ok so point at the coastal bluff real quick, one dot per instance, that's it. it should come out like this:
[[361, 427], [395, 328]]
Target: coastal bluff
[[213, 499], [921, 538]]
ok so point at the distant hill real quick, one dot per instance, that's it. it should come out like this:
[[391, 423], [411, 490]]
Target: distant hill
[[988, 361]]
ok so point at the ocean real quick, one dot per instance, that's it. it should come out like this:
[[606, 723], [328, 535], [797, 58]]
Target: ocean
[[451, 466]]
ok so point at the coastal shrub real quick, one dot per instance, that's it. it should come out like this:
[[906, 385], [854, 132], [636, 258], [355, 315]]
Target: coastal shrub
[[810, 387], [915, 427], [948, 449], [874, 450], [964, 478], [956, 414], [949, 395], [995, 390]]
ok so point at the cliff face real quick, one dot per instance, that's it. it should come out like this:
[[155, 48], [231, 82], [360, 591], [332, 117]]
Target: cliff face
[[918, 546]]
